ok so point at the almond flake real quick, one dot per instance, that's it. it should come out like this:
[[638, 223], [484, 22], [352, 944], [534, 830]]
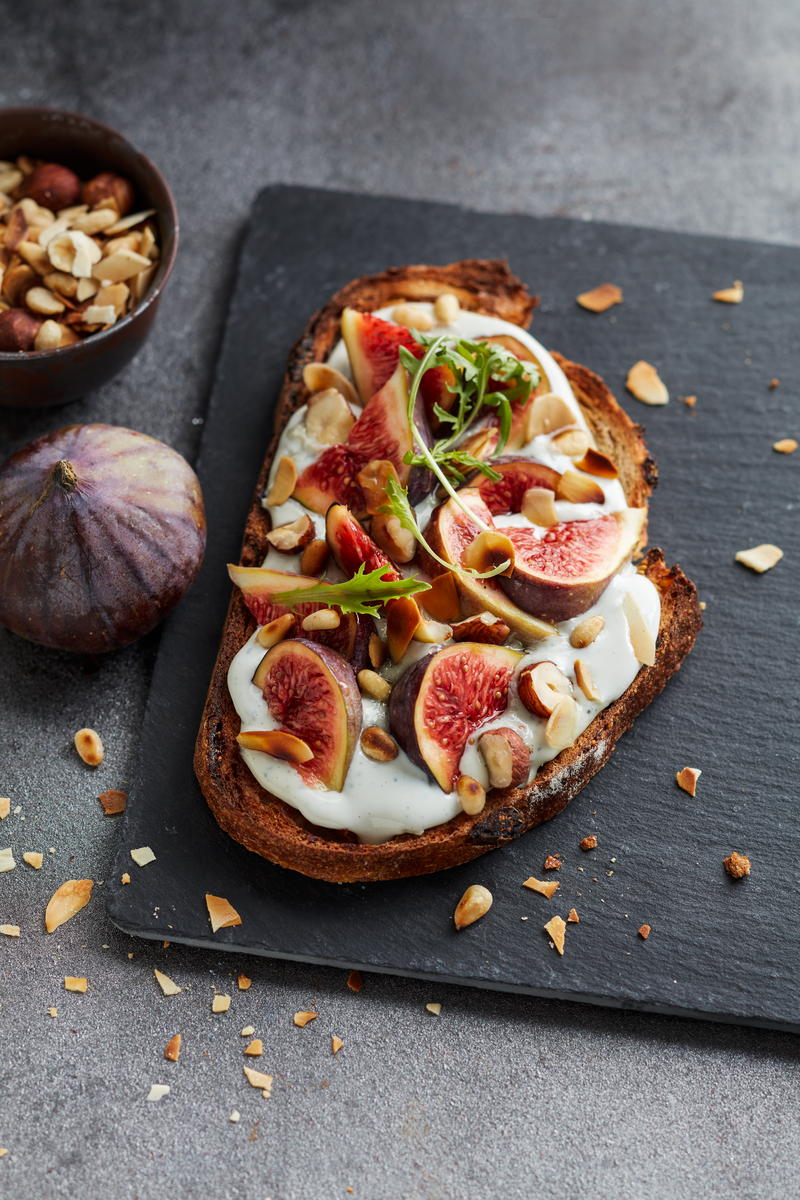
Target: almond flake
[[555, 928], [33, 859], [760, 558], [336, 1044], [354, 981], [785, 446], [7, 862], [544, 887], [157, 1092], [113, 801], [573, 917], [248, 1031], [731, 295], [5, 807], [434, 1008], [302, 1018], [220, 1004], [129, 221], [53, 1012], [644, 383], [255, 1049], [68, 900], [73, 983], [100, 314], [165, 983], [645, 931], [3, 1151], [173, 1048], [687, 779], [143, 856], [244, 983], [126, 878], [234, 1116], [600, 298], [10, 930], [221, 913], [257, 1079]]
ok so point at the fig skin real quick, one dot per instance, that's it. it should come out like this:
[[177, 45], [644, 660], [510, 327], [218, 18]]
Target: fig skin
[[18, 329], [102, 531]]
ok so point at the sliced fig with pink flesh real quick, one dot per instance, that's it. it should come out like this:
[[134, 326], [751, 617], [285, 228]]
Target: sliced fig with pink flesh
[[331, 478], [444, 698], [565, 572], [449, 532], [313, 694], [505, 495], [351, 545], [373, 346], [261, 589]]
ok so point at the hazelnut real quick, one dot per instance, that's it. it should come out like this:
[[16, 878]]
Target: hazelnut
[[507, 758], [373, 480], [542, 686], [106, 185], [294, 537], [484, 628], [52, 186], [18, 330]]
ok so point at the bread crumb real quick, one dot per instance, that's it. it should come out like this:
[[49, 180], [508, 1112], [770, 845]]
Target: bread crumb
[[221, 914], [573, 917], [10, 930], [53, 1012], [7, 862], [555, 927], [173, 1048], [255, 1048], [66, 901], [690, 401], [545, 888], [244, 983], [737, 865], [234, 1116], [336, 1044], [165, 983], [157, 1092], [113, 801], [760, 558], [143, 856], [73, 983], [600, 298], [644, 383], [434, 1008], [126, 878], [687, 779], [773, 383], [33, 859], [785, 446], [354, 981], [302, 1018], [731, 295], [644, 930], [248, 1031], [5, 807], [552, 863], [589, 842], [257, 1079], [220, 1004]]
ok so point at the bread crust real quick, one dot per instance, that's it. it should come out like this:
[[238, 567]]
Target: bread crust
[[270, 827]]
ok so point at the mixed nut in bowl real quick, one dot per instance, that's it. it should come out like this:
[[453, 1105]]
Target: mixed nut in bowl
[[88, 236]]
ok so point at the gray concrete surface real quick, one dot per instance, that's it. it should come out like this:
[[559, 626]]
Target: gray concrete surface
[[683, 115]]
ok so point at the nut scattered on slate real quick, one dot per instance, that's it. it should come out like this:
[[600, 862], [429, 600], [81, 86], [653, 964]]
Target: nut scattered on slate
[[589, 842], [738, 865], [354, 981], [645, 931], [687, 779], [546, 888]]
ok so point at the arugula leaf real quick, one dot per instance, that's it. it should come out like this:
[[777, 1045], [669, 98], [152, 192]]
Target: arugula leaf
[[361, 594]]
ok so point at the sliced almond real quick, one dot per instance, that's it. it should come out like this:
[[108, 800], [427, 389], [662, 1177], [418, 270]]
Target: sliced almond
[[561, 727], [173, 1048], [220, 1004], [545, 887], [284, 482], [100, 314], [303, 1018], [121, 265], [255, 1048], [328, 417], [143, 855], [336, 1044], [446, 308], [10, 930], [73, 983], [17, 280], [33, 859], [378, 745], [556, 927], [579, 489], [293, 537], [471, 794], [595, 463], [244, 983], [129, 221], [128, 241], [585, 633], [86, 289], [248, 1031], [116, 294], [221, 913], [585, 681], [113, 801], [548, 413], [42, 301], [89, 747], [539, 507], [48, 337], [642, 640], [319, 377], [324, 618], [644, 383], [68, 900], [35, 256], [377, 651], [600, 298], [785, 446], [140, 284], [276, 631], [257, 1079], [7, 861], [731, 295], [432, 632], [572, 442], [760, 558], [314, 557], [413, 317], [687, 779], [434, 1008], [474, 904], [374, 685], [5, 807], [94, 222]]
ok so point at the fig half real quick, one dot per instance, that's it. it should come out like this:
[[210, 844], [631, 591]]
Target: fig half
[[314, 695], [444, 698], [505, 495]]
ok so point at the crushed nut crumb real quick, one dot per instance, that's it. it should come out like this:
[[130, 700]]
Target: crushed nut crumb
[[354, 981], [303, 1018], [73, 983], [5, 807], [220, 1004], [336, 1044], [234, 1116], [644, 930], [556, 927], [10, 930], [760, 558], [33, 859], [244, 983], [544, 887], [255, 1048], [53, 1012], [7, 861], [589, 842], [66, 901], [113, 801], [165, 983], [687, 779], [126, 878], [434, 1008], [737, 865], [173, 1048], [257, 1079], [552, 862], [157, 1092], [573, 917], [143, 856], [600, 298], [248, 1031]]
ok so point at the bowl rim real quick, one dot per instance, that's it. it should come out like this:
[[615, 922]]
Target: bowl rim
[[19, 356]]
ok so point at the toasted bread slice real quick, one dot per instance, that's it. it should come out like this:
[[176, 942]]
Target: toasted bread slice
[[270, 827]]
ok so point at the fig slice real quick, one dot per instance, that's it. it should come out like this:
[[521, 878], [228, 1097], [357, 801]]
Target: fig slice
[[449, 532], [314, 695], [261, 590], [506, 494], [444, 698], [520, 413], [565, 572]]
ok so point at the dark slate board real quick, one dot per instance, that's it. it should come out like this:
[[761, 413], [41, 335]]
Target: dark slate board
[[718, 948]]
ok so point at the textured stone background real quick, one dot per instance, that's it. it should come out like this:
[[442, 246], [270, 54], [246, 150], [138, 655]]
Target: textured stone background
[[682, 115]]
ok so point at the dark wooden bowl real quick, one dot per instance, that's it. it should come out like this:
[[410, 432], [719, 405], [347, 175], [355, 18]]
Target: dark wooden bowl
[[38, 378]]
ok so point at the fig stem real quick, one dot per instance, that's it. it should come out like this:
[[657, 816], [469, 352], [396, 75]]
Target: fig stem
[[62, 474]]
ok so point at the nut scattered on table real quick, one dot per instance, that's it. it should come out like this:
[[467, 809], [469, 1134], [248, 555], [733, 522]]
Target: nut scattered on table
[[113, 801], [336, 1044], [545, 887], [552, 863], [644, 930], [89, 747], [738, 865], [68, 900], [354, 981], [760, 558], [165, 983], [244, 983], [600, 298], [220, 1004], [33, 859], [255, 1048], [434, 1007], [10, 930], [303, 1018], [73, 983], [173, 1048], [143, 855], [573, 917], [731, 295], [378, 745], [785, 446], [645, 384], [5, 807], [257, 1079]]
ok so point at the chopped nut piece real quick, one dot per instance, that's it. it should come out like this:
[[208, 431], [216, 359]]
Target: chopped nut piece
[[555, 927], [471, 794], [129, 221], [68, 900], [738, 865], [10, 930], [220, 1004], [573, 917], [97, 314], [113, 801], [53, 1012], [336, 1044], [600, 298], [234, 1116], [572, 442], [221, 913], [89, 746], [354, 981], [73, 983], [255, 1048], [760, 558], [374, 685], [645, 931], [324, 618], [328, 417], [126, 878], [687, 779], [302, 1018], [165, 983], [121, 265], [157, 1092], [546, 888], [784, 446], [173, 1048], [319, 377], [142, 856], [33, 859], [7, 861], [561, 726], [483, 627], [377, 651], [244, 983], [731, 295], [474, 904], [413, 317], [5, 807], [293, 537], [589, 842], [434, 1008], [314, 557], [583, 677], [644, 383], [541, 688], [257, 1079], [446, 308], [248, 1031], [378, 745], [585, 633], [552, 863], [539, 507], [432, 633], [284, 482]]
